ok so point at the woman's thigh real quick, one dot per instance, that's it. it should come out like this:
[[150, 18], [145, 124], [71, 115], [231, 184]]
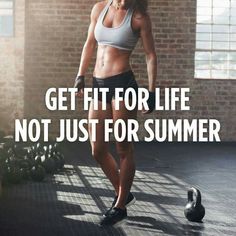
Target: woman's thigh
[[99, 115], [124, 114]]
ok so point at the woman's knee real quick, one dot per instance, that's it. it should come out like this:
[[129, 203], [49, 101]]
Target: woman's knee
[[125, 150]]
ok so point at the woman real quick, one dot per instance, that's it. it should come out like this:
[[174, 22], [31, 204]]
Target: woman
[[117, 25]]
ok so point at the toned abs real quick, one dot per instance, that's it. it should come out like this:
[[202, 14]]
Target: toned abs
[[111, 61]]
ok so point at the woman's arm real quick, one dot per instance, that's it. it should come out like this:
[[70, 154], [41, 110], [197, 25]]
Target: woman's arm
[[90, 43], [149, 48]]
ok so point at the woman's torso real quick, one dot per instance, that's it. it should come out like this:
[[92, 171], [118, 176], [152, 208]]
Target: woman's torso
[[111, 60]]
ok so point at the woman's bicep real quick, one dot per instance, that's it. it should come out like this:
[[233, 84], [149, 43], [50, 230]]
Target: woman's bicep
[[147, 36], [90, 36], [93, 21]]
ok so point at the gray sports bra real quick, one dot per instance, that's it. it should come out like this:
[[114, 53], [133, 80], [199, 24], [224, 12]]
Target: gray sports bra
[[121, 37]]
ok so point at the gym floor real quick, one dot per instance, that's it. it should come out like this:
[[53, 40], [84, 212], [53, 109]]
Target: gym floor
[[71, 202]]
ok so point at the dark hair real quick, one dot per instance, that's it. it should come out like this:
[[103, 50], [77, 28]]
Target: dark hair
[[141, 5]]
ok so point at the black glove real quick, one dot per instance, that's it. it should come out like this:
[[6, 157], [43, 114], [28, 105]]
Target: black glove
[[151, 101], [79, 82]]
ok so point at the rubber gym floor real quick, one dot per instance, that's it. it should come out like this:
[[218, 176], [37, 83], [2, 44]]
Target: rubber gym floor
[[71, 202]]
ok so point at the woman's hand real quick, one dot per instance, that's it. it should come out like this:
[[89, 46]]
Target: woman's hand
[[151, 103], [79, 84]]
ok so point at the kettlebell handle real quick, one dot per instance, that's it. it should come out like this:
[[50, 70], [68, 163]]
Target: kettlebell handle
[[197, 194]]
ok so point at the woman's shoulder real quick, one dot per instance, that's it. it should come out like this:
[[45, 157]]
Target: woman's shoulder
[[97, 8], [140, 15], [141, 18], [100, 5]]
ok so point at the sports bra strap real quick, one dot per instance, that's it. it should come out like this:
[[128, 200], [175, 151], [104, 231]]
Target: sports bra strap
[[104, 12]]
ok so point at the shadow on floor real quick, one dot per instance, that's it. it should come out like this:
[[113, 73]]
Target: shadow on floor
[[72, 202]]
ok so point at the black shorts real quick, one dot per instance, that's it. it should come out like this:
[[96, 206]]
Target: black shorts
[[124, 80]]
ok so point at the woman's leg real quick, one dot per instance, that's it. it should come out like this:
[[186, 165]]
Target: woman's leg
[[100, 148], [126, 154]]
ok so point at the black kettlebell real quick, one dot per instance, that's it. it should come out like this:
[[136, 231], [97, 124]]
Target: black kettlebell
[[194, 210]]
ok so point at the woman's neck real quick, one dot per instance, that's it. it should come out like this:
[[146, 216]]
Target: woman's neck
[[118, 5]]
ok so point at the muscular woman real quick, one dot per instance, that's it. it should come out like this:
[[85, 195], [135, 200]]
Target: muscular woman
[[115, 28]]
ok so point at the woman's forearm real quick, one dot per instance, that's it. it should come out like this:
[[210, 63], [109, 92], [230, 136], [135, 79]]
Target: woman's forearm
[[151, 60], [86, 57]]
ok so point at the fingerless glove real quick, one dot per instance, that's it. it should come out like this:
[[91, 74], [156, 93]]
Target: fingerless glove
[[79, 82], [151, 101]]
